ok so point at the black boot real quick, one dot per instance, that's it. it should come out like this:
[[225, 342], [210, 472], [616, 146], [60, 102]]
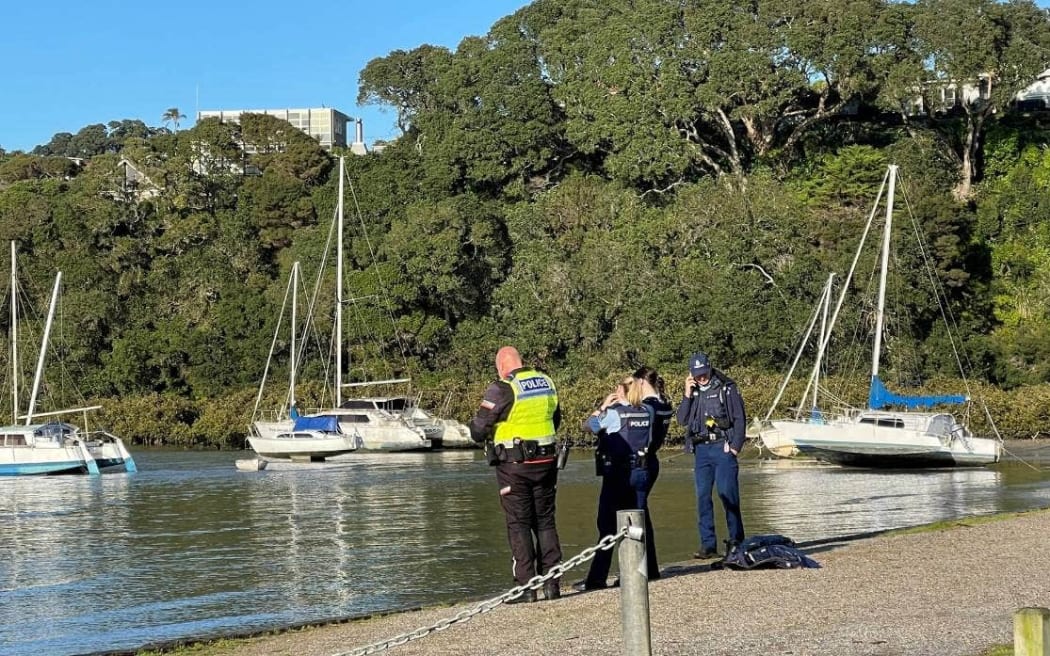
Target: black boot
[[552, 590], [526, 597]]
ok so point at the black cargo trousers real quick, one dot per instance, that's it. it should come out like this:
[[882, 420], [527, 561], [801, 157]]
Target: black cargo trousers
[[527, 491]]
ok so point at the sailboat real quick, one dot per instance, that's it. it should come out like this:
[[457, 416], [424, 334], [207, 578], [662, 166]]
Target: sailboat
[[51, 446], [295, 438], [875, 436], [389, 423]]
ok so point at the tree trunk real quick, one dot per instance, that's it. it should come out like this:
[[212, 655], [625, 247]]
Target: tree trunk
[[971, 146]]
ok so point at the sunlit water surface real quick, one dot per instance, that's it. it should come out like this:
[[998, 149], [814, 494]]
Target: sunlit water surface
[[189, 546]]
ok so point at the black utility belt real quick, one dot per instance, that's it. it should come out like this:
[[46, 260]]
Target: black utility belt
[[525, 451], [707, 439], [604, 462]]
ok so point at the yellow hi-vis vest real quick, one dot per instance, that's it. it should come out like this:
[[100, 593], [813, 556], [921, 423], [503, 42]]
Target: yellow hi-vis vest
[[532, 413]]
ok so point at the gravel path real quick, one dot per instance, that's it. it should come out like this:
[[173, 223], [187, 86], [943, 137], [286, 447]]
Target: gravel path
[[948, 592]]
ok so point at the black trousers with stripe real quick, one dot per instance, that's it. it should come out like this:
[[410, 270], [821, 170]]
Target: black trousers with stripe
[[527, 492]]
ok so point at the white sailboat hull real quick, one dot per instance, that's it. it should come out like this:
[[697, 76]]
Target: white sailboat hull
[[312, 445], [109, 451], [778, 441], [884, 439], [59, 448], [379, 434], [456, 435], [34, 460]]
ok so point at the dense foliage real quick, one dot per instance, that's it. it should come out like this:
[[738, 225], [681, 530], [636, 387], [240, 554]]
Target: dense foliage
[[603, 184]]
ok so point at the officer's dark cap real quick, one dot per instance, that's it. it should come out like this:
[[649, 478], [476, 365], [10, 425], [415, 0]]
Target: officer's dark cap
[[699, 365]]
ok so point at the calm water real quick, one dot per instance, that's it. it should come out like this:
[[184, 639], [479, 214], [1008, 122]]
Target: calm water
[[189, 546]]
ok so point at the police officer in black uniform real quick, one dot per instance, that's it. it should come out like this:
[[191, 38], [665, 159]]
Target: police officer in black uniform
[[517, 420], [652, 387], [625, 428], [713, 413]]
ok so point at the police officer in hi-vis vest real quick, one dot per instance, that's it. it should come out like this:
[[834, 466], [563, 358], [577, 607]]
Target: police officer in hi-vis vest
[[713, 415], [518, 417]]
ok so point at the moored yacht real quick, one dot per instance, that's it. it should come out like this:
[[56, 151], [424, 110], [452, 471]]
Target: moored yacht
[[890, 432]]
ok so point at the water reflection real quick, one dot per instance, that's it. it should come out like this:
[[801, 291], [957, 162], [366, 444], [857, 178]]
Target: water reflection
[[810, 500], [189, 546]]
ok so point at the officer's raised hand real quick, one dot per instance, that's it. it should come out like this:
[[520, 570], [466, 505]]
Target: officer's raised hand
[[690, 383]]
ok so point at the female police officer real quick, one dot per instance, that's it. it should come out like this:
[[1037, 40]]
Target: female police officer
[[624, 426], [652, 387]]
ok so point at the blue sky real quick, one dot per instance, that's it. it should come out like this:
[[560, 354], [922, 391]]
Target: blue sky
[[73, 63]]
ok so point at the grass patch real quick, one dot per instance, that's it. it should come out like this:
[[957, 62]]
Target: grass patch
[[1000, 650], [965, 522]]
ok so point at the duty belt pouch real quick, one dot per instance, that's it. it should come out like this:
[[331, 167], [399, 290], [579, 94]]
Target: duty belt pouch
[[601, 463], [530, 449], [512, 453], [491, 454]]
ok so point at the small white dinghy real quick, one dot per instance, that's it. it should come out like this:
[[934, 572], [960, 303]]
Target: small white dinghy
[[251, 464]]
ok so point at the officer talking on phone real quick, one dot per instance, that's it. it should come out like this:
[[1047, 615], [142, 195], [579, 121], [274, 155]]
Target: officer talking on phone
[[712, 412]]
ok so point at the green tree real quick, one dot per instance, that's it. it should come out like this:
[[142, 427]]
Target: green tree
[[89, 141], [980, 53], [59, 145], [172, 115], [406, 81]]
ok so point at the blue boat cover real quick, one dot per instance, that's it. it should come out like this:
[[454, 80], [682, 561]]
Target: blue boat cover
[[324, 423], [879, 397]]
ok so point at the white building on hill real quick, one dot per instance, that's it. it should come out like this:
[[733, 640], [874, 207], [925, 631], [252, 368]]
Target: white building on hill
[[326, 125]]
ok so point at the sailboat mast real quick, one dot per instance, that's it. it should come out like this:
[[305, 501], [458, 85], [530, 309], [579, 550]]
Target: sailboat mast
[[14, 339], [880, 308], [294, 363], [826, 302], [339, 291], [43, 349]]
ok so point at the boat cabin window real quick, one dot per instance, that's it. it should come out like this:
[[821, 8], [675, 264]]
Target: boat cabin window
[[393, 404], [13, 440], [354, 419], [358, 404], [54, 431], [294, 436], [889, 422], [396, 404]]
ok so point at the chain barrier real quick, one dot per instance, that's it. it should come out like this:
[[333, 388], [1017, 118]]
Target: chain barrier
[[606, 543]]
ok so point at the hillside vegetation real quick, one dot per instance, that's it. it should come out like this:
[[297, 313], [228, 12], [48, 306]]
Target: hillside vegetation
[[602, 184]]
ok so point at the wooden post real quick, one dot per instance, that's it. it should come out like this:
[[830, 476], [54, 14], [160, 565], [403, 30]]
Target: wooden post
[[1032, 632], [634, 584]]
